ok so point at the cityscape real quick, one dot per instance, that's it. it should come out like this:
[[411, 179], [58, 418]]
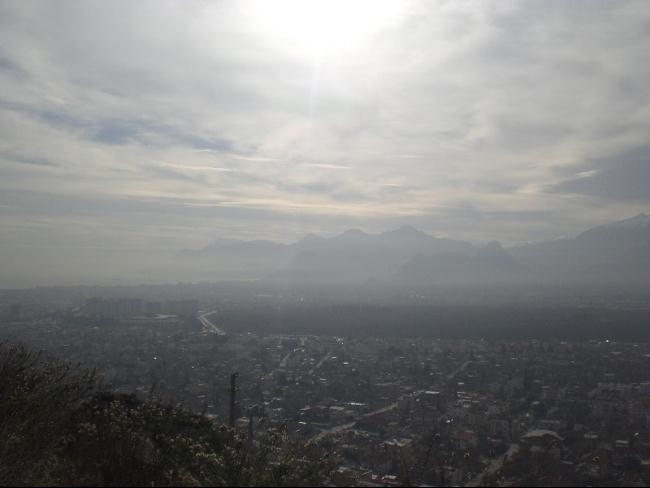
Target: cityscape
[[390, 411], [326, 243]]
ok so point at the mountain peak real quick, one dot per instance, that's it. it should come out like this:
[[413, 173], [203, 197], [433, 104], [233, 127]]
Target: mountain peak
[[491, 249], [639, 218], [494, 246], [406, 230], [352, 234], [640, 221], [310, 239]]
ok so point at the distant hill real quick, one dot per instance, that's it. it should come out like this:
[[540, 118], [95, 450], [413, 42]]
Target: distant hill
[[617, 252], [353, 256], [485, 264], [233, 259]]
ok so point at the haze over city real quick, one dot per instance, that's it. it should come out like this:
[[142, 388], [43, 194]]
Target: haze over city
[[369, 243]]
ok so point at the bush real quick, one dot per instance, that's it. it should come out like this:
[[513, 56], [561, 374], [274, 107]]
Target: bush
[[58, 428], [36, 399]]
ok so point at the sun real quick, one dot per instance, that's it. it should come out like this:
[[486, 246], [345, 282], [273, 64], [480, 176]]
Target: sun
[[322, 27]]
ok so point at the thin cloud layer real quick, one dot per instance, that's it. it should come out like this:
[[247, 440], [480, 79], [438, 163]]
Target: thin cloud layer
[[621, 177], [168, 124]]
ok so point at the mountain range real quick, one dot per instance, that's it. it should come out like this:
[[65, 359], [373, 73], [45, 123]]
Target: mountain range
[[615, 253]]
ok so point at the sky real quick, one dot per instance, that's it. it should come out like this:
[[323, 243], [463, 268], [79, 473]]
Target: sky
[[155, 126]]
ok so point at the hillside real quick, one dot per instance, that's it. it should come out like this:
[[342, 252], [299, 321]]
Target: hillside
[[60, 429]]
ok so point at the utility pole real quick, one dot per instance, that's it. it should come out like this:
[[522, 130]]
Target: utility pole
[[249, 438], [233, 390]]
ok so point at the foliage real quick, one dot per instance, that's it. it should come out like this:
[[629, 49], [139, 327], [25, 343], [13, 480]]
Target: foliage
[[58, 428], [36, 398]]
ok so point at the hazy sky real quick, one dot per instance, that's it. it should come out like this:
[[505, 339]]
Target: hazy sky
[[138, 125]]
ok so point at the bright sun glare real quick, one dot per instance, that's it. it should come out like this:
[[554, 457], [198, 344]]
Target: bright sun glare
[[323, 27]]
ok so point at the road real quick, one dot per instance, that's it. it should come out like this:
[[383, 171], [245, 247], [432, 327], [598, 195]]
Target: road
[[321, 362], [494, 466], [462, 368], [283, 363], [343, 427], [208, 325], [334, 430]]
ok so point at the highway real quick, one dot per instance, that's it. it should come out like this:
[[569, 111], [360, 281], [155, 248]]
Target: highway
[[208, 325]]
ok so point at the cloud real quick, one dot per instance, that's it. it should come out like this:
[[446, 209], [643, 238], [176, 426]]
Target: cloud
[[506, 118], [196, 168], [12, 68], [21, 159], [326, 166], [623, 177], [254, 158], [411, 156]]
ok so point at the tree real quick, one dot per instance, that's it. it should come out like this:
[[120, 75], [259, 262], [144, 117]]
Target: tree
[[58, 428]]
